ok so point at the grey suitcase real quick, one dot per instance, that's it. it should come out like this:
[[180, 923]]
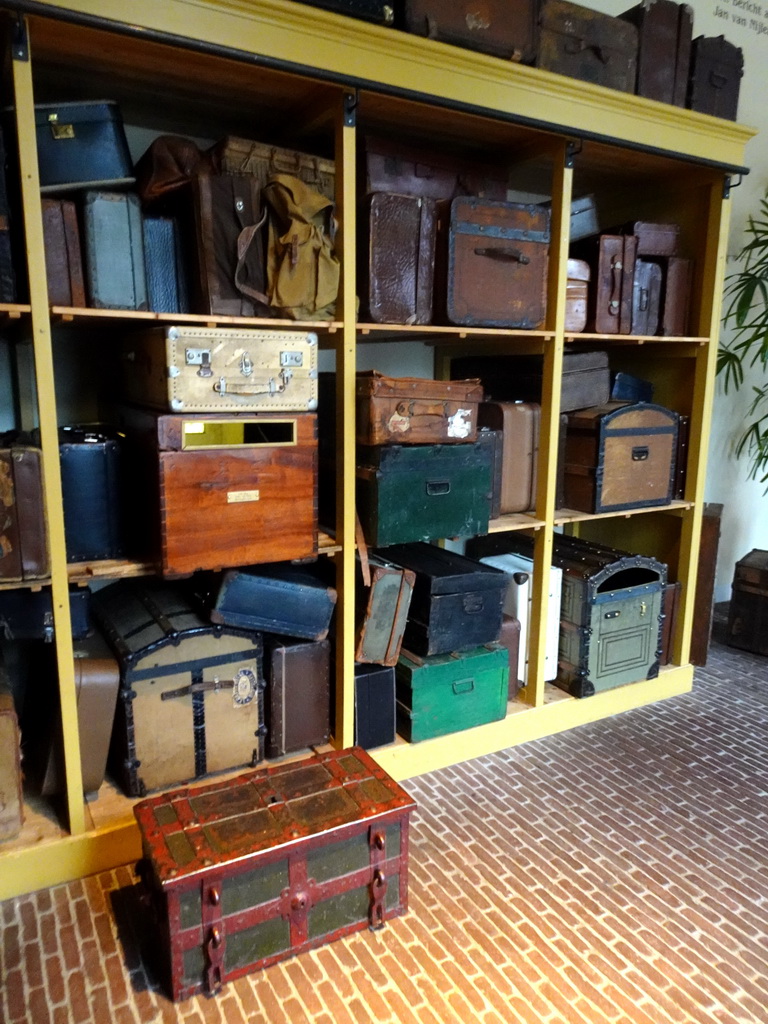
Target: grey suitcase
[[114, 251]]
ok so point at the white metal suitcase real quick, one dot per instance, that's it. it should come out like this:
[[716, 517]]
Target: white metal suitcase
[[197, 369]]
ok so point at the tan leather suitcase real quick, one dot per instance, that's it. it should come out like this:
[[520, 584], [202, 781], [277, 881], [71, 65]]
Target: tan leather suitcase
[[97, 679], [519, 423], [11, 800], [576, 293], [416, 410], [200, 369]]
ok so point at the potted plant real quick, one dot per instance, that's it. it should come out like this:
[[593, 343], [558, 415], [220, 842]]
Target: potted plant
[[746, 311]]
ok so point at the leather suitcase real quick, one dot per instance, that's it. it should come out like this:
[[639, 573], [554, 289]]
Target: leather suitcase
[[581, 43], [627, 388], [367, 10], [576, 293], [494, 441], [235, 155], [383, 602], [297, 702], [612, 263], [665, 32], [215, 492], [585, 378], [81, 143], [201, 369], [28, 614], [93, 492], [457, 602], [507, 30], [11, 798], [704, 598], [653, 238], [423, 492], [232, 278], [23, 534], [114, 251], [9, 291], [97, 680], [519, 426], [497, 264], [374, 705], [243, 872], [63, 254], [611, 616], [287, 600], [191, 693], [167, 290], [446, 693], [646, 297], [509, 638], [670, 600], [415, 410], [748, 610], [620, 457], [717, 68], [397, 257], [675, 297], [391, 166]]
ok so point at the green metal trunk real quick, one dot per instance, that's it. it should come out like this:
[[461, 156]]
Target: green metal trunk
[[445, 693]]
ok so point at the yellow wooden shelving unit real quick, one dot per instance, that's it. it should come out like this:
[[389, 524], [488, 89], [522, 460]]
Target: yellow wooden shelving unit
[[295, 75]]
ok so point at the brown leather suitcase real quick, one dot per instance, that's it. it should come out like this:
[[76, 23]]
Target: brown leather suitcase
[[391, 166], [704, 599], [510, 638], [497, 262], [222, 491], [665, 33], [297, 700], [231, 245], [235, 155], [11, 799], [23, 534], [717, 67], [612, 262], [646, 297], [504, 29], [675, 297], [398, 258], [63, 255], [416, 410], [670, 599], [576, 292], [97, 680], [620, 456], [519, 424], [654, 238], [582, 43]]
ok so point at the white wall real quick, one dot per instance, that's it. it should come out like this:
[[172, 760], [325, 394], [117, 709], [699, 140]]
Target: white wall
[[745, 505]]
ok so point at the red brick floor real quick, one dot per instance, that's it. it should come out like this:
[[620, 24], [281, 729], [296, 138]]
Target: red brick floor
[[615, 873]]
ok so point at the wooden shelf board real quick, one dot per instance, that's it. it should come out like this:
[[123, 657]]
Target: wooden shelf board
[[570, 515], [13, 310], [635, 339], [436, 334], [79, 316], [515, 521]]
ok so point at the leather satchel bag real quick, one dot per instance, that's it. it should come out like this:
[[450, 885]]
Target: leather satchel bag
[[302, 268]]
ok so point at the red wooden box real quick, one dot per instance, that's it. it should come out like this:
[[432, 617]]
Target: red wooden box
[[245, 872]]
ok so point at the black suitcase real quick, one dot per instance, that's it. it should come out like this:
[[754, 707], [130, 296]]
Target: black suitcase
[[167, 290], [28, 614], [8, 291], [457, 602], [282, 599], [374, 705], [92, 491]]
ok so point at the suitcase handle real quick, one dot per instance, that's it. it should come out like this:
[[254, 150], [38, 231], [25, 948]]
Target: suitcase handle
[[574, 45], [436, 409], [464, 686], [717, 81], [270, 387], [617, 266], [435, 487], [504, 253], [640, 453]]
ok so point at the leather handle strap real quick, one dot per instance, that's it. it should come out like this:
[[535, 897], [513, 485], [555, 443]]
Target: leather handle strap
[[245, 240], [503, 253]]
